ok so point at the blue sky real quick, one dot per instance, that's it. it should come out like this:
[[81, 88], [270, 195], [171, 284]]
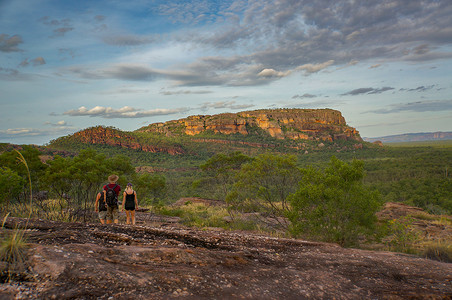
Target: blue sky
[[69, 65]]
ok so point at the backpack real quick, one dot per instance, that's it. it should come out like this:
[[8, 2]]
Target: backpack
[[102, 206], [110, 196]]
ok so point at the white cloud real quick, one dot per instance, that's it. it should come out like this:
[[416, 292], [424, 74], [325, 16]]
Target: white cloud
[[123, 112]]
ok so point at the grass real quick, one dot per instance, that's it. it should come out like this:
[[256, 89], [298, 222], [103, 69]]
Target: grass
[[13, 251], [439, 250]]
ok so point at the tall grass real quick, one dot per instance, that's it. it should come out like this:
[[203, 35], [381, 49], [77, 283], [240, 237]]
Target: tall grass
[[13, 246]]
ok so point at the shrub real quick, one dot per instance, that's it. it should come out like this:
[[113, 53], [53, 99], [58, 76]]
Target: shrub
[[12, 250]]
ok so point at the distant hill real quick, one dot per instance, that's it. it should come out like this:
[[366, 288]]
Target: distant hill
[[412, 137], [284, 130]]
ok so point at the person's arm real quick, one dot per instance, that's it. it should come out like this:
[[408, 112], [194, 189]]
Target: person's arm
[[123, 200]]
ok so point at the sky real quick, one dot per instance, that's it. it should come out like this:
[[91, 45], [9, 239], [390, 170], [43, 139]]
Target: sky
[[69, 65]]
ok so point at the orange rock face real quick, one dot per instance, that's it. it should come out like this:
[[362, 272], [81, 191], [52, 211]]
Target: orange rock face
[[296, 124]]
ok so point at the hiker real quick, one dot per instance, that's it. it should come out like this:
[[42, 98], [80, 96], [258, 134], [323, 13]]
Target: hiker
[[111, 193], [130, 203], [100, 207]]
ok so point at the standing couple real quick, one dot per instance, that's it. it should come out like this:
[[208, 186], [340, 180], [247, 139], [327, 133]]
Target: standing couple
[[107, 202]]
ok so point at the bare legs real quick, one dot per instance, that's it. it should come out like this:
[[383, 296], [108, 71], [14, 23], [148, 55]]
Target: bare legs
[[130, 217]]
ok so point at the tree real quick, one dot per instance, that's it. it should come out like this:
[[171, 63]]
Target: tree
[[264, 185], [223, 168], [150, 188], [36, 167], [11, 184], [333, 204]]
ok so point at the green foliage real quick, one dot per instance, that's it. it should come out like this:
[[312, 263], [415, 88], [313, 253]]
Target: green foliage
[[333, 204], [223, 168], [150, 188], [401, 235], [26, 164], [11, 184], [264, 184]]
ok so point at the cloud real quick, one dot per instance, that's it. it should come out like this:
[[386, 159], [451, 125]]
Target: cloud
[[132, 72], [314, 68], [124, 112], [57, 124], [422, 88], [224, 104], [367, 91], [185, 92], [13, 75], [10, 43], [419, 106], [38, 61], [128, 40], [12, 133], [303, 96], [63, 25], [375, 66], [272, 73]]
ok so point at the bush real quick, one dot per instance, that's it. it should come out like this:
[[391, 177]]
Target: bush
[[333, 205]]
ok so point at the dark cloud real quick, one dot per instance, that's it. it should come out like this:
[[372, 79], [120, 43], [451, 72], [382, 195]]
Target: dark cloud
[[367, 91], [10, 43], [312, 32], [303, 96], [422, 88], [419, 106]]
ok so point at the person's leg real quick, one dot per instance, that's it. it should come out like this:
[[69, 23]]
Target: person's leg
[[109, 215], [127, 216], [102, 216], [115, 215], [133, 216]]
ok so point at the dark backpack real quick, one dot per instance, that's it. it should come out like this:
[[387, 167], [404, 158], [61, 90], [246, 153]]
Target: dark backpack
[[102, 206], [111, 198]]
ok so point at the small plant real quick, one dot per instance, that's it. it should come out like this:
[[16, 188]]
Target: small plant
[[401, 236], [12, 251]]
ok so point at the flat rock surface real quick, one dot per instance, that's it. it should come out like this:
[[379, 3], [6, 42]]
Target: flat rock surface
[[168, 261]]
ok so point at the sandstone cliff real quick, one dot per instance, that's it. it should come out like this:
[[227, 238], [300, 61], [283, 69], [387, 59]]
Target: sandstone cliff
[[113, 137], [294, 124]]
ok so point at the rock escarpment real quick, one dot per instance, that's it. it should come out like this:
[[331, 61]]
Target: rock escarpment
[[294, 124], [113, 137]]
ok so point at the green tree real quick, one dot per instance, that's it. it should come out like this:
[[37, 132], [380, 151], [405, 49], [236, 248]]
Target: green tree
[[264, 184], [333, 204], [36, 167], [11, 184], [150, 188], [223, 168]]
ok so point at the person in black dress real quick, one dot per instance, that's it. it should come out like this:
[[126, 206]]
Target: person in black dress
[[130, 203]]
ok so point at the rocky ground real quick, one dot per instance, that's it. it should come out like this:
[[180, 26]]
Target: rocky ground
[[160, 259]]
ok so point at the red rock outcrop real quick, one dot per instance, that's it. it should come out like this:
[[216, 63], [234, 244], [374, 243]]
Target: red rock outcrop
[[303, 124], [113, 137]]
